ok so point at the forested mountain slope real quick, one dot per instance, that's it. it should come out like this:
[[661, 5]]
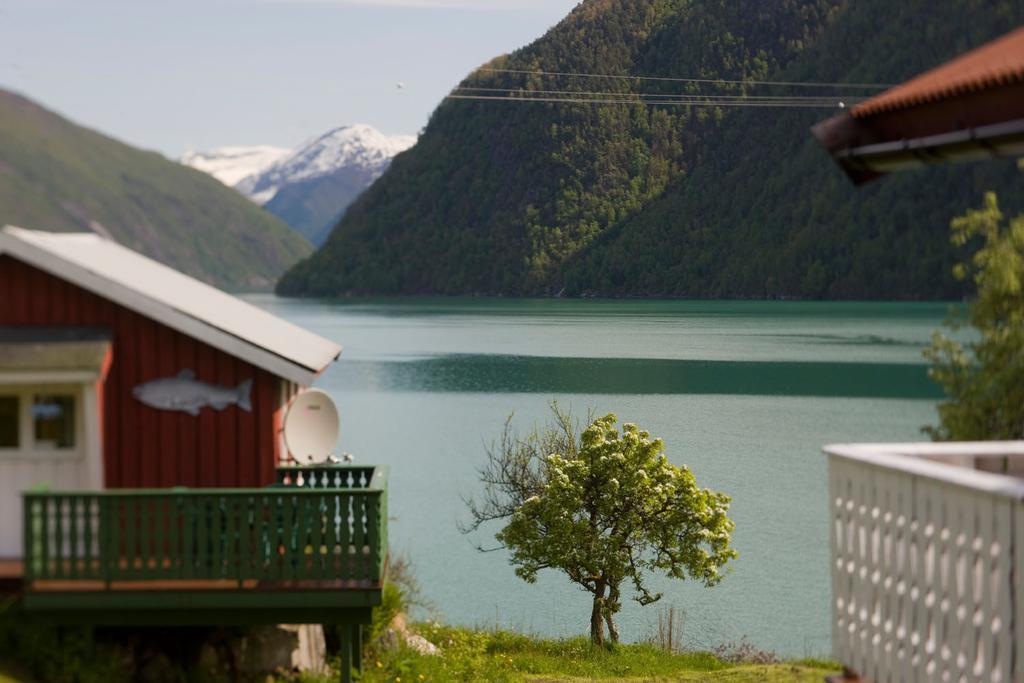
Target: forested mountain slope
[[637, 200], [55, 175]]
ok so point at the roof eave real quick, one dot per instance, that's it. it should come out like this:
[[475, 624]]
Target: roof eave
[[863, 163]]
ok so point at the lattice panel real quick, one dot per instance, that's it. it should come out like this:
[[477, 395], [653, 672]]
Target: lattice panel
[[923, 577]]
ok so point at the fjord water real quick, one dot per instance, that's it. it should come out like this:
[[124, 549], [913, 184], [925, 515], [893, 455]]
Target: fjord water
[[745, 393]]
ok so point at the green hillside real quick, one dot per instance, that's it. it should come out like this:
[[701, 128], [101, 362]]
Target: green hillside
[[634, 200], [57, 176]]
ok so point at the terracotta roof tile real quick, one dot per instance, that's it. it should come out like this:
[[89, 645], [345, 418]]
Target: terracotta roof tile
[[1000, 62]]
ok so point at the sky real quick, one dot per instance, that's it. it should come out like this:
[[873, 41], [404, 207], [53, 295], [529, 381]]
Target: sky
[[173, 75]]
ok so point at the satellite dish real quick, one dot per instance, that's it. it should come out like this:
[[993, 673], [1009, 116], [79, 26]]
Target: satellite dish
[[311, 426]]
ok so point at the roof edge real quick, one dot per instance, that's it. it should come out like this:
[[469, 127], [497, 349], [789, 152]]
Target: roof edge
[[865, 162], [158, 311]]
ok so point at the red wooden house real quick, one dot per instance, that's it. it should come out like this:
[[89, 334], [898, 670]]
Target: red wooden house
[[122, 381]]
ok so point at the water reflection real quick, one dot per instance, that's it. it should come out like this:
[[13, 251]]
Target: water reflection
[[479, 373]]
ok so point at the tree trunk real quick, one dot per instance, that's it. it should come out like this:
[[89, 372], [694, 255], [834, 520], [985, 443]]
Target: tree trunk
[[613, 630], [596, 615], [611, 606]]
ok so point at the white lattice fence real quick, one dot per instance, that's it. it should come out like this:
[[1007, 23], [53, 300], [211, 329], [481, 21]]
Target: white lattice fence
[[926, 568]]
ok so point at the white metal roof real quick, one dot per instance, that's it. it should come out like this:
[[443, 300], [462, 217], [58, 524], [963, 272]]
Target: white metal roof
[[175, 300]]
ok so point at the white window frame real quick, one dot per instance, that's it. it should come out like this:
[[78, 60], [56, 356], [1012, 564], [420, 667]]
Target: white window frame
[[27, 449], [85, 386]]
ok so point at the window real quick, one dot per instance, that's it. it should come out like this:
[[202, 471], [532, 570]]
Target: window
[[41, 421], [53, 417], [10, 416]]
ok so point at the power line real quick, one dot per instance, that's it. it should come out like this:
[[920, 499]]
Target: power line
[[710, 101], [719, 81], [823, 99]]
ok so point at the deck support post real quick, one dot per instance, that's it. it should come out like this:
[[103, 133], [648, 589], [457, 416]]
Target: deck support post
[[357, 647], [349, 654]]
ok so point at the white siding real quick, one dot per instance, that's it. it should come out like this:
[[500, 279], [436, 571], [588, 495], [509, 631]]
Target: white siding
[[80, 469], [926, 563]]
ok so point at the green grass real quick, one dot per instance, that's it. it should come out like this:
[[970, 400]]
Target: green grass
[[502, 657]]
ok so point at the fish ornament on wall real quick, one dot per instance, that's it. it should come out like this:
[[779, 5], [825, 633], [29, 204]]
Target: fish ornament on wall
[[187, 394]]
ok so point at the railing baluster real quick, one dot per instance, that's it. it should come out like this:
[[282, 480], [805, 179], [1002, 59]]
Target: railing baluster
[[256, 550], [202, 552], [358, 534], [243, 513], [165, 519], [338, 525], [302, 520], [282, 536], [218, 536], [173, 550], [110, 532], [188, 536], [133, 542], [365, 558], [257, 537], [30, 510], [89, 520], [76, 514], [110, 538], [58, 537], [216, 517], [243, 561], [382, 537], [151, 536], [317, 535], [1002, 607], [45, 540], [271, 526], [232, 530], [154, 536], [372, 539], [370, 506], [88, 554], [290, 539], [277, 548]]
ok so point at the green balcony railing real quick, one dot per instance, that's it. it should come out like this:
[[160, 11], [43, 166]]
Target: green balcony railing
[[317, 524]]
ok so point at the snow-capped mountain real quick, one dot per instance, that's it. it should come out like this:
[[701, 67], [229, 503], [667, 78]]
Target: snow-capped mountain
[[311, 186], [359, 145], [233, 164]]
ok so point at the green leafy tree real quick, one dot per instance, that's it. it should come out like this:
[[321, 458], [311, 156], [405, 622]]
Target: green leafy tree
[[604, 508], [985, 380]]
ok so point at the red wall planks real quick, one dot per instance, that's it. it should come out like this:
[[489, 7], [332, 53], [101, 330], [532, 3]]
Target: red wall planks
[[207, 419], [186, 426], [227, 429], [265, 407], [144, 447]]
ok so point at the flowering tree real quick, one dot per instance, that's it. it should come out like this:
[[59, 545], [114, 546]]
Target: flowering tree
[[606, 509]]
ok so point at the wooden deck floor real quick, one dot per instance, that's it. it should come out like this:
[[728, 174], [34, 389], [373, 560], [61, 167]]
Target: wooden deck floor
[[11, 568], [12, 571]]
